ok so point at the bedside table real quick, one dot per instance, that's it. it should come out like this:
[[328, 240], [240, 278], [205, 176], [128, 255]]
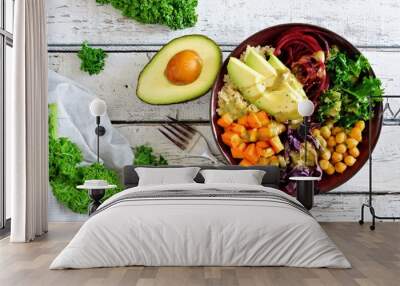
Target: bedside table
[[96, 190], [305, 187]]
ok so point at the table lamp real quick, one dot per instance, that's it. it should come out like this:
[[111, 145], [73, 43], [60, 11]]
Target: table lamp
[[305, 184], [98, 108]]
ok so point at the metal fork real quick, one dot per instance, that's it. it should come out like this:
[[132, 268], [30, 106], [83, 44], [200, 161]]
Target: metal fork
[[188, 139]]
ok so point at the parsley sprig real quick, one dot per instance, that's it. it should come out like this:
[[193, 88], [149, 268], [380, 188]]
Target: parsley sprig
[[92, 59]]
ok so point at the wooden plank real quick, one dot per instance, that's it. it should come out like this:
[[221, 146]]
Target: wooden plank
[[228, 22], [117, 84], [386, 156], [342, 207], [139, 134]]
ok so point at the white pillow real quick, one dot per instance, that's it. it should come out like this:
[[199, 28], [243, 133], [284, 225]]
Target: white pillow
[[166, 176], [246, 177]]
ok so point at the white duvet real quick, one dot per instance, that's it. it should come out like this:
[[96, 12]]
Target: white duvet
[[190, 231]]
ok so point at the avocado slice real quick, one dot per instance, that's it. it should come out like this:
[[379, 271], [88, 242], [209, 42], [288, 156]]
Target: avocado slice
[[250, 83], [277, 64], [258, 63], [153, 86], [281, 102]]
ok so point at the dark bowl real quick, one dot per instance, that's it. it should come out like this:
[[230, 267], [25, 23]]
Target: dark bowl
[[268, 37]]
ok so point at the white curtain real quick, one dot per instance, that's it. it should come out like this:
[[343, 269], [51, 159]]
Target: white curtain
[[26, 119]]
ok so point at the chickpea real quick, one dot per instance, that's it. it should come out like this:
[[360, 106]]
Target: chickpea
[[326, 154], [351, 143], [341, 148], [340, 137], [336, 130], [349, 160], [337, 157], [360, 125], [354, 152], [331, 141], [324, 164], [315, 132], [356, 133], [340, 167], [330, 170], [325, 132]]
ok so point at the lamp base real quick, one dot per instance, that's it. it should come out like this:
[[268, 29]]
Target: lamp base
[[305, 193], [96, 195], [100, 130]]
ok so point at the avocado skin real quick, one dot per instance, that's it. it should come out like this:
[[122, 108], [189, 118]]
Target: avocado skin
[[196, 95]]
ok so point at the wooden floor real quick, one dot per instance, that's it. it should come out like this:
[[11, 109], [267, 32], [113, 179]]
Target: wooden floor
[[375, 257]]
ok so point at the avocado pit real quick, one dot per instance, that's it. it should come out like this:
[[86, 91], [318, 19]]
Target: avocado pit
[[184, 67]]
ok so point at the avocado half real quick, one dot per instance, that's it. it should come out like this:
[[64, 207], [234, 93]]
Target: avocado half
[[153, 87]]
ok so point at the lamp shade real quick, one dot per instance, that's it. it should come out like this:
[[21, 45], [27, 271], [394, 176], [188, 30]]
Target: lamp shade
[[98, 107], [305, 108]]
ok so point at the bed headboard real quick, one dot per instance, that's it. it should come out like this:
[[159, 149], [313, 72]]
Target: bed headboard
[[271, 178]]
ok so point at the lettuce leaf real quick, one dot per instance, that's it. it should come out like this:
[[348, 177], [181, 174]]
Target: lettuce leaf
[[176, 14], [352, 86]]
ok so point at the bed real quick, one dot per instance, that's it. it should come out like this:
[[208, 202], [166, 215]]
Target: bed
[[201, 224]]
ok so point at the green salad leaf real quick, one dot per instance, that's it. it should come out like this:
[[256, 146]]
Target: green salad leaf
[[144, 156], [92, 59], [347, 101], [356, 101], [66, 170], [343, 70], [176, 14], [330, 106]]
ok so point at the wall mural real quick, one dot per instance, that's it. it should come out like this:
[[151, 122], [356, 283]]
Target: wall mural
[[254, 102]]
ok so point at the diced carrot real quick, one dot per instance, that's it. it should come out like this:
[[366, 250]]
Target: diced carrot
[[276, 144], [260, 151], [227, 136], [246, 137], [238, 129], [242, 146], [272, 129], [225, 120], [253, 135], [263, 161], [262, 144], [268, 152], [237, 152], [245, 163], [253, 120], [274, 161], [243, 121], [263, 117], [236, 140], [263, 133], [250, 153]]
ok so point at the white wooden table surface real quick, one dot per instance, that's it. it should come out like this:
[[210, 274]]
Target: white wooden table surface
[[373, 26]]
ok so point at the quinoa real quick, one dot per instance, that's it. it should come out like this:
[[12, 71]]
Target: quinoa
[[262, 50], [231, 101]]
